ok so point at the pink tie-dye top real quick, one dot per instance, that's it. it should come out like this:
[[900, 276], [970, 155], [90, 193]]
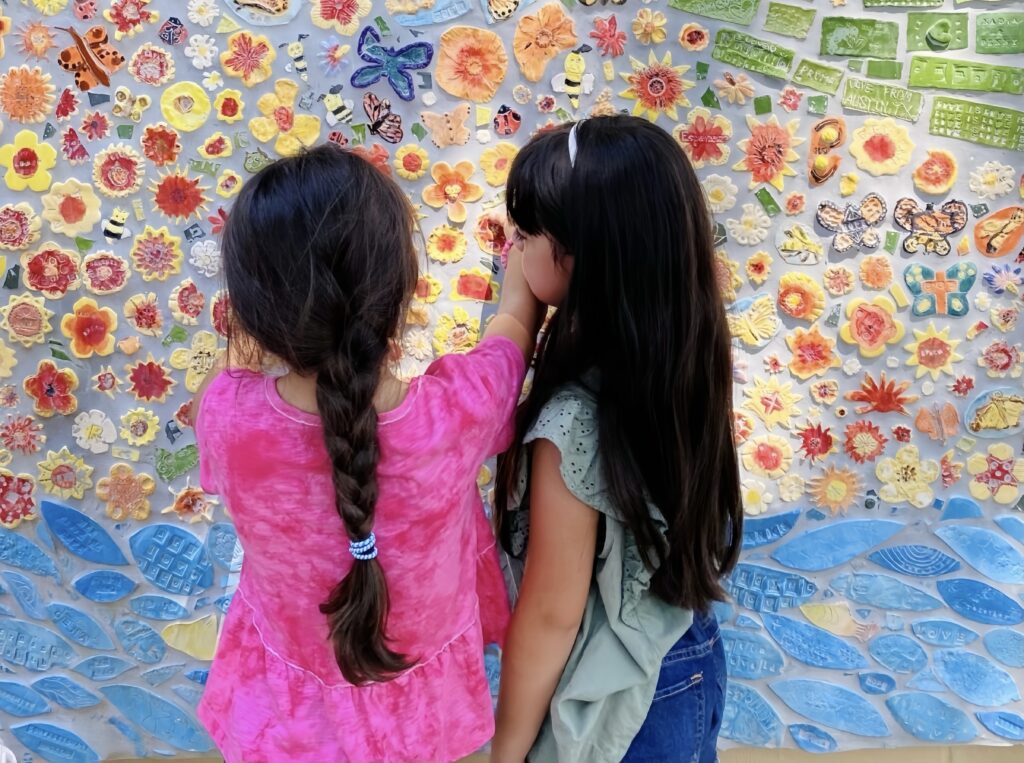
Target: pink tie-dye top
[[275, 692]]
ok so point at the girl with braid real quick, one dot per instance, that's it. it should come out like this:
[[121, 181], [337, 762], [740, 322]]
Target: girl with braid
[[371, 579]]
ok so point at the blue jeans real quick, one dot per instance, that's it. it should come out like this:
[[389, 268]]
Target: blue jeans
[[683, 722]]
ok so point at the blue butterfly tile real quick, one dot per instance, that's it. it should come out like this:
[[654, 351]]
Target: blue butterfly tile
[[980, 602], [834, 544], [974, 678], [930, 719], [916, 560], [883, 591], [750, 655], [54, 743], [812, 645], [831, 706], [155, 715], [389, 63], [748, 718], [986, 551]]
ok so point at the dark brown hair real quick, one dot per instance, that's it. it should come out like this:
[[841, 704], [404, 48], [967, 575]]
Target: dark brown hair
[[320, 265], [645, 311]]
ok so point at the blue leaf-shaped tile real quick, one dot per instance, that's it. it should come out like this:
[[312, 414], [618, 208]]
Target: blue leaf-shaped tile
[[189, 694], [54, 744], [926, 680], [172, 559], [157, 607], [21, 701], [930, 719], [140, 641], [66, 692], [762, 531], [157, 676], [812, 645], [943, 633], [1007, 646], [960, 507], [105, 586], [898, 653], [103, 667], [81, 535], [831, 706], [1012, 526], [25, 555], [883, 591], [78, 626], [24, 591], [912, 559], [155, 715], [1001, 723], [33, 647], [986, 551], [974, 678], [876, 683], [748, 718], [226, 551], [812, 739], [834, 544], [980, 602], [764, 589], [750, 655]]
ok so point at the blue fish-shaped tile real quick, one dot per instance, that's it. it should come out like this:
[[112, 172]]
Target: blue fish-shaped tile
[[160, 675], [103, 667], [105, 586], [201, 676], [898, 653], [943, 633], [81, 535], [66, 692], [763, 589], [812, 739], [765, 530], [155, 715], [876, 683], [986, 551], [974, 678], [960, 507], [919, 561], [831, 706], [157, 607], [140, 641], [226, 551], [812, 645], [926, 680], [1007, 646], [1012, 526], [750, 655], [883, 591], [1003, 724], [21, 701], [78, 626], [24, 591], [930, 719], [834, 544], [33, 647], [172, 559], [54, 744], [22, 553], [980, 602], [748, 718]]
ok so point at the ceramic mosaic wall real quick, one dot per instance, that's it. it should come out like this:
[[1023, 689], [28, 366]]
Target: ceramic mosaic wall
[[863, 161]]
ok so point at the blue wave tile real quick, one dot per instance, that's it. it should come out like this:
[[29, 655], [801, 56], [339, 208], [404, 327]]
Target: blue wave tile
[[980, 602], [834, 544], [33, 647], [748, 718], [81, 535], [1012, 526], [764, 589], [105, 586], [812, 645], [226, 551], [831, 706], [930, 719], [960, 507], [22, 553], [160, 675], [78, 626], [21, 701], [762, 531], [103, 667], [912, 559], [172, 559], [943, 633], [1007, 646], [974, 678], [1003, 724], [155, 715], [140, 641], [750, 655], [812, 739], [66, 692], [883, 591], [157, 608], [898, 653], [926, 680], [201, 676], [986, 551], [876, 683], [54, 744], [25, 593]]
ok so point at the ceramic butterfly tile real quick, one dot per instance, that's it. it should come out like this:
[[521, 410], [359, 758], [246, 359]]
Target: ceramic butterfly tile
[[449, 128], [853, 225], [383, 123], [385, 62], [929, 226], [940, 292], [92, 58]]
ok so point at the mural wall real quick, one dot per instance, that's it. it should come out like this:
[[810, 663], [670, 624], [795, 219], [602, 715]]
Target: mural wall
[[863, 161]]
